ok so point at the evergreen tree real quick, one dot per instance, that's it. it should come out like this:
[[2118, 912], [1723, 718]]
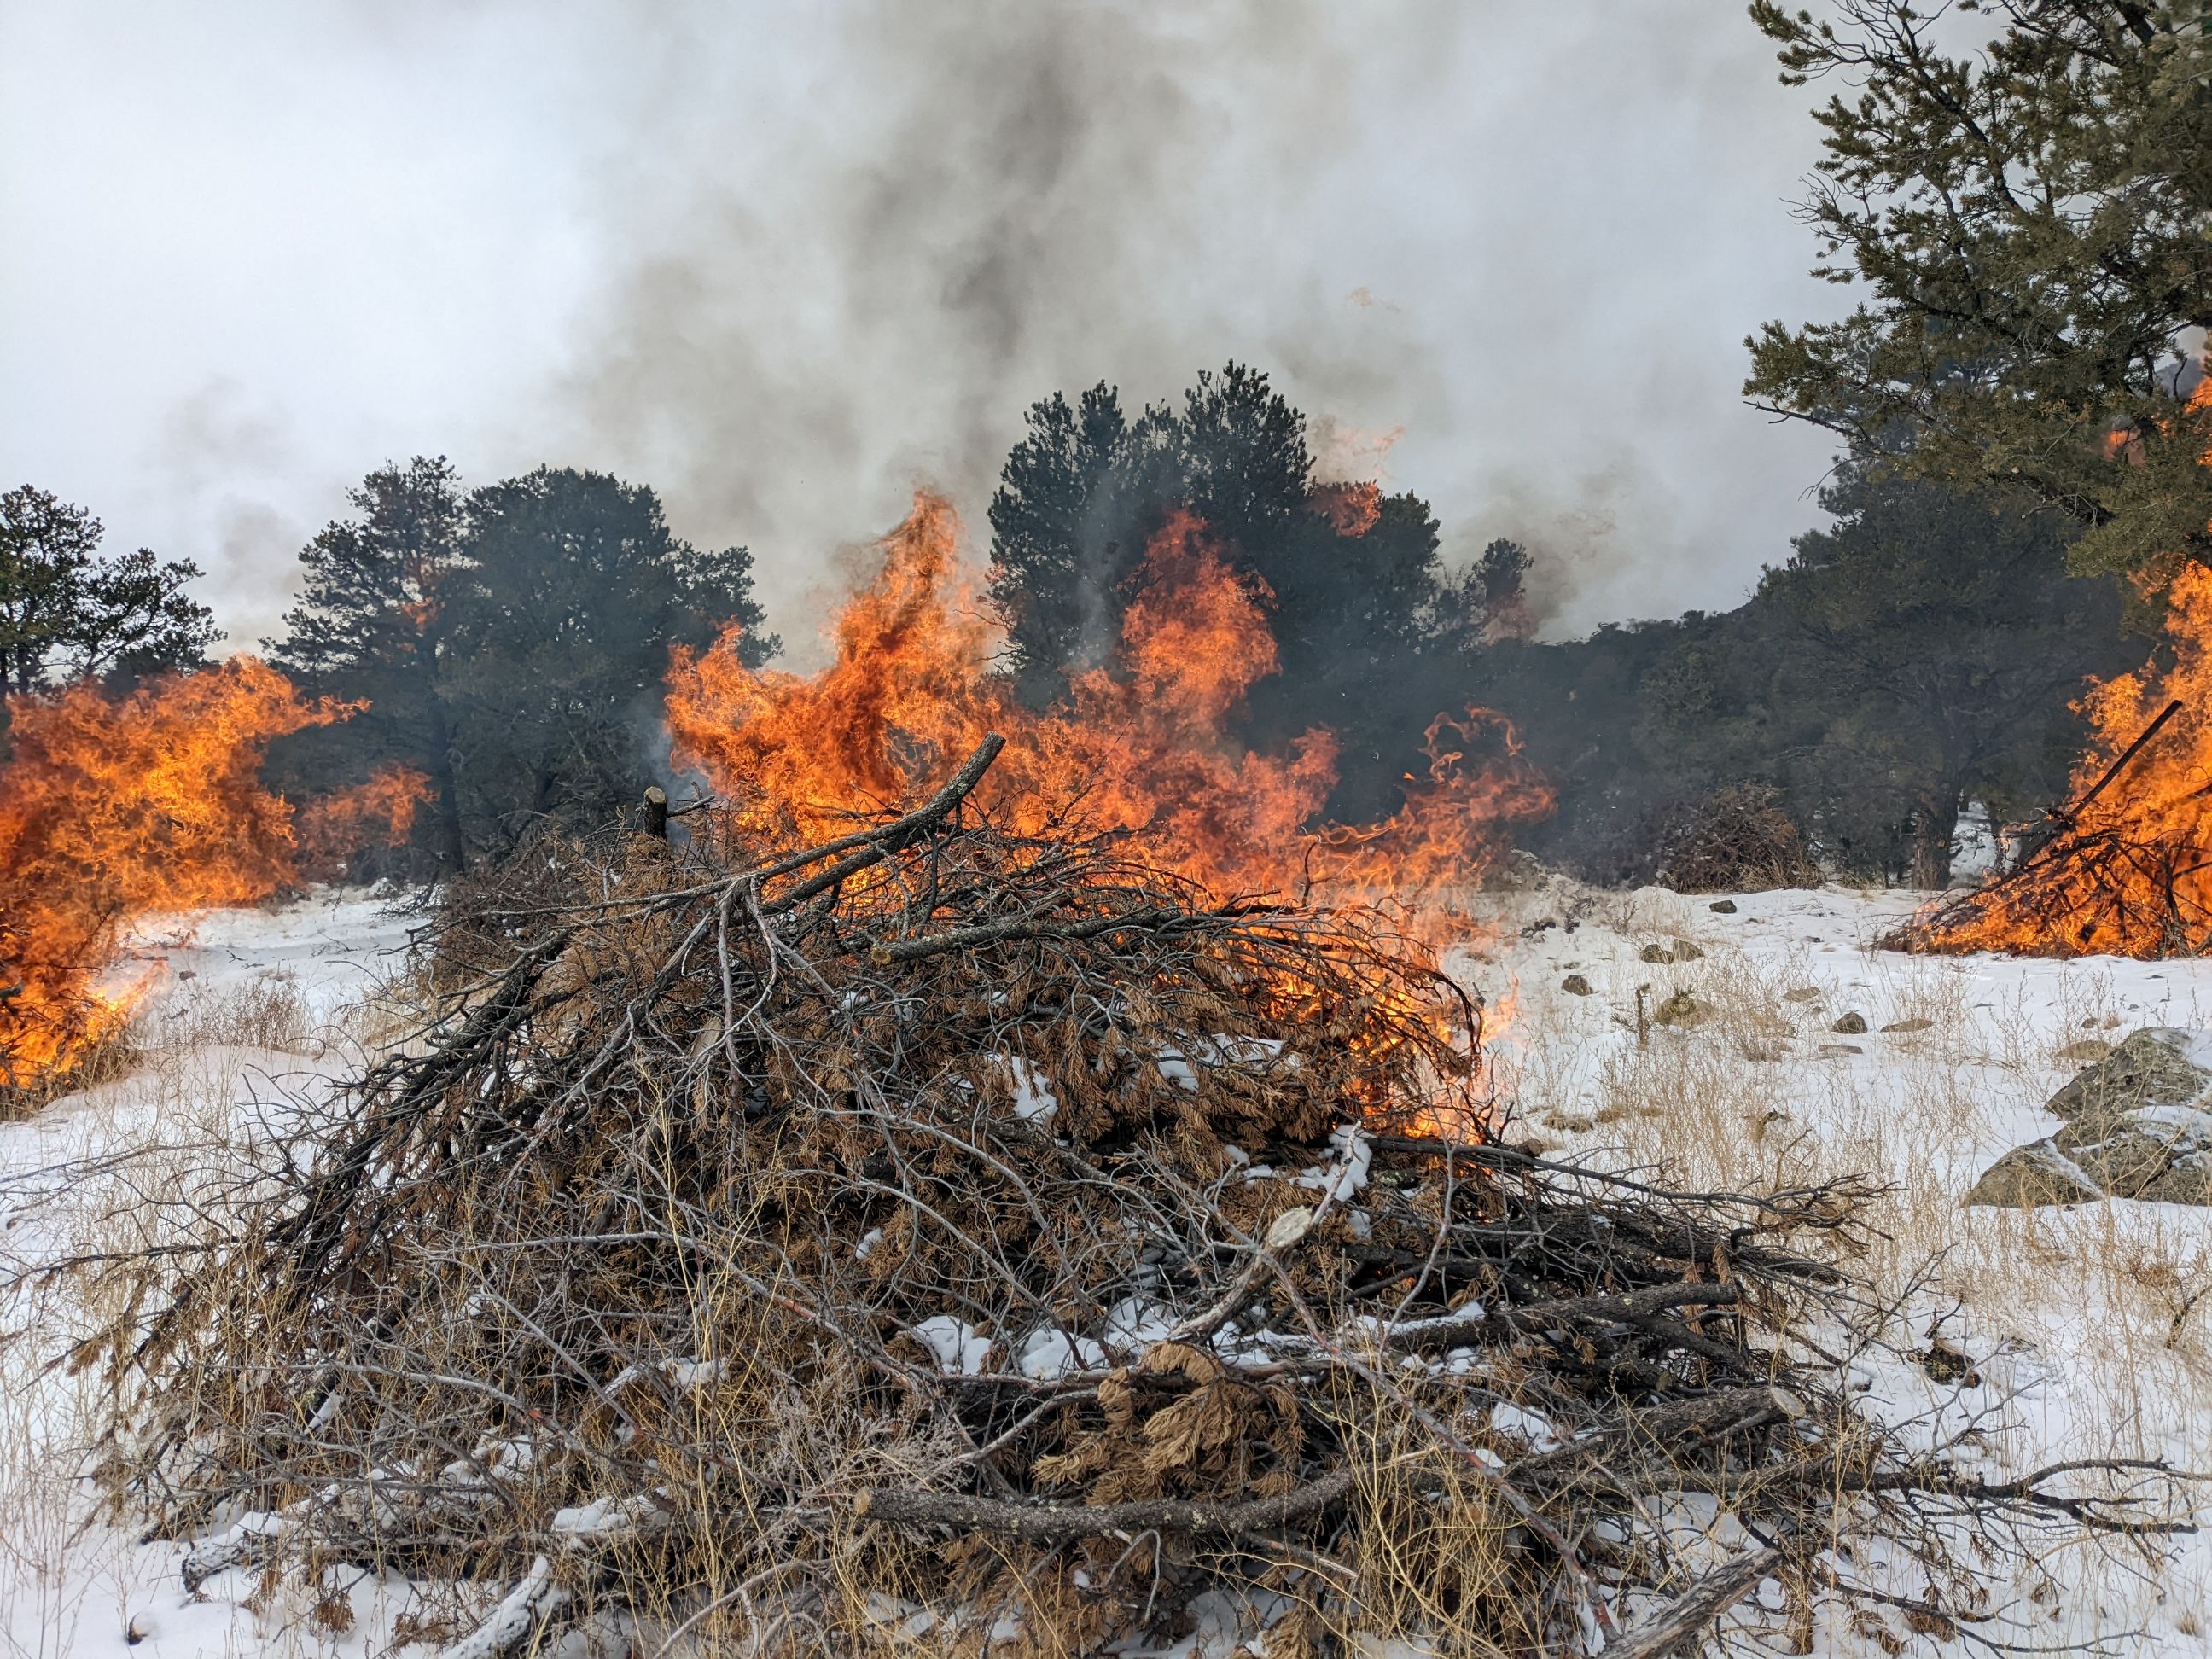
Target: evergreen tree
[[66, 613], [578, 592], [1942, 641], [376, 619], [1356, 597], [2030, 223], [1076, 501]]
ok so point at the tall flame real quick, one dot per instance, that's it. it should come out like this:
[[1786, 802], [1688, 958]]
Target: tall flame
[[1144, 747], [113, 808]]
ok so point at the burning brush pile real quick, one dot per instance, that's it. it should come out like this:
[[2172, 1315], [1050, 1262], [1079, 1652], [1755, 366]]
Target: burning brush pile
[[2126, 868], [946, 1237]]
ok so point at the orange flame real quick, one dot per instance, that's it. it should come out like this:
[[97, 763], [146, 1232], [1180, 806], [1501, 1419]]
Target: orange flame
[[1351, 509], [110, 808], [2136, 859], [1143, 748], [379, 811]]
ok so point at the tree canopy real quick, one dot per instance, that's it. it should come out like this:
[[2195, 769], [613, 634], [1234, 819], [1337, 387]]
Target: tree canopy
[[66, 612], [1363, 618], [2029, 221], [510, 640]]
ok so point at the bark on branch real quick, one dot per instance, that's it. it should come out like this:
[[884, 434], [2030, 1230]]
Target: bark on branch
[[1063, 1523]]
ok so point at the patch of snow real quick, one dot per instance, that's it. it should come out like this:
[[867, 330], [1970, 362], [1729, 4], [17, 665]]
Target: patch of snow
[[959, 1350], [1134, 1324], [1049, 1354], [1532, 1428], [1355, 1154], [1033, 1095]]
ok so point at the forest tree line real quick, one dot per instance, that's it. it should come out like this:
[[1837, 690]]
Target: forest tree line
[[510, 639], [2021, 468]]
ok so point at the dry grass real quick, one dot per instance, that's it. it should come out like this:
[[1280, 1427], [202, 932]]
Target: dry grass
[[176, 1110], [2090, 1327]]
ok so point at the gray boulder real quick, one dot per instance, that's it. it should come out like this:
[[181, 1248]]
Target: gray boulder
[[2027, 1177], [2136, 1124], [2157, 1066]]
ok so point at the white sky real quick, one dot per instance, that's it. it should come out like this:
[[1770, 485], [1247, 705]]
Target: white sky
[[784, 261]]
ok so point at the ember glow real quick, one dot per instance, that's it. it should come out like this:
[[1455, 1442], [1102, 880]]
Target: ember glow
[[111, 809], [1142, 747], [2129, 871]]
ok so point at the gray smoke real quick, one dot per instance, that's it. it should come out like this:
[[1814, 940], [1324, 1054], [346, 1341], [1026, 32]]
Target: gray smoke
[[860, 284], [787, 260]]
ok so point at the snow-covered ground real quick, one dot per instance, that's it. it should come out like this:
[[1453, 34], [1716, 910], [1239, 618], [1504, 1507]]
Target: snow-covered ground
[[2083, 1326], [244, 1008]]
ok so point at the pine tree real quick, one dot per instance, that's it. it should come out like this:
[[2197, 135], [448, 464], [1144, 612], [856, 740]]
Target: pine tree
[[2031, 222], [66, 613], [1935, 638], [376, 620], [578, 592], [1352, 579]]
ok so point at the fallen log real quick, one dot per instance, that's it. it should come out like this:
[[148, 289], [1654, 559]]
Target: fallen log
[[1673, 1628]]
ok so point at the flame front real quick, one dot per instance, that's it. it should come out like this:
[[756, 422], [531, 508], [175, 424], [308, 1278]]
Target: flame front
[[113, 808], [1142, 748]]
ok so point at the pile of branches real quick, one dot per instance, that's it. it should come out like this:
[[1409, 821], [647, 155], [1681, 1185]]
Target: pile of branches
[[2108, 874], [941, 1240], [2093, 890], [1737, 840]]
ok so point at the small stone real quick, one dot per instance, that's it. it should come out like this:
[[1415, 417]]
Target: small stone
[[1803, 994], [1686, 951], [137, 1629], [1916, 1024], [1833, 1050], [1850, 1025], [2027, 1177], [1680, 1009], [1655, 953], [2089, 1048], [1574, 986], [1722, 907]]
